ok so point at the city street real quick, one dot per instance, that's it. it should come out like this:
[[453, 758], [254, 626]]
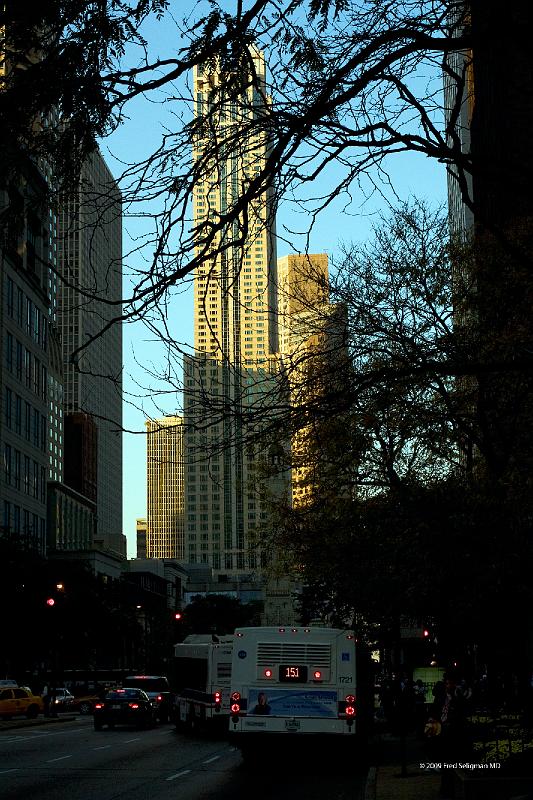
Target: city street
[[71, 760]]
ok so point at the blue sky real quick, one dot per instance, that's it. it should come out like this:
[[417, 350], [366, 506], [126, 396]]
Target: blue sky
[[410, 175]]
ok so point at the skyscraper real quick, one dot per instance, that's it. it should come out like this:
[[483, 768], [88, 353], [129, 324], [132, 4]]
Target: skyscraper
[[89, 256], [306, 324], [25, 260], [235, 328], [164, 523]]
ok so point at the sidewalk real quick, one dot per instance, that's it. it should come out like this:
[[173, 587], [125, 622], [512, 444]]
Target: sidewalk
[[385, 781]]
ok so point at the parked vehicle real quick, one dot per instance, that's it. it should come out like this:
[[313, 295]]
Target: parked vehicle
[[126, 706], [158, 690], [203, 675], [19, 700], [85, 703], [59, 699]]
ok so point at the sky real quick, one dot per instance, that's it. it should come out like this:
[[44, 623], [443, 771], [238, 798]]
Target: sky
[[411, 175]]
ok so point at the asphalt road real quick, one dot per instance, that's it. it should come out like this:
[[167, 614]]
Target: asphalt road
[[71, 761]]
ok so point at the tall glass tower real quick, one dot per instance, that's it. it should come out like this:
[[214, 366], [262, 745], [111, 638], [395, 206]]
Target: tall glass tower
[[235, 322]]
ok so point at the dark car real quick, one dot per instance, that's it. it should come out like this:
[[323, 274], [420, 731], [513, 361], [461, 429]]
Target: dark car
[[157, 689], [128, 706]]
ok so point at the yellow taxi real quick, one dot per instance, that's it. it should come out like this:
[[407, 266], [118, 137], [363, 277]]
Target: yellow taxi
[[19, 700]]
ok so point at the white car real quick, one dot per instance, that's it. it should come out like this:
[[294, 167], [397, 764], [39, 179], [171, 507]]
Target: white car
[[63, 698]]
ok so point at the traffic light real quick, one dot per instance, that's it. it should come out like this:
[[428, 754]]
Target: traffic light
[[177, 615], [50, 601]]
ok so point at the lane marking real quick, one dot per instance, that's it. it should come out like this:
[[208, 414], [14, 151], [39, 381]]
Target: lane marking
[[5, 771], [126, 741], [209, 760], [102, 747], [15, 739], [61, 758], [178, 774]]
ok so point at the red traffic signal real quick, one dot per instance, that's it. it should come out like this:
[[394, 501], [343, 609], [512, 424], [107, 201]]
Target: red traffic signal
[[177, 615], [50, 601]]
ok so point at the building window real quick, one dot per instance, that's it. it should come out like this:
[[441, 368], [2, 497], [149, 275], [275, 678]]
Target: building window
[[18, 414], [20, 306], [27, 420], [35, 480], [7, 463], [18, 360], [36, 427], [10, 295], [26, 474], [27, 367], [7, 515], [9, 407], [16, 519], [9, 351], [16, 469]]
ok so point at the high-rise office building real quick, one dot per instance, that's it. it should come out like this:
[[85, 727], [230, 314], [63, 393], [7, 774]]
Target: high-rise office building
[[26, 256], [315, 359], [235, 330], [90, 263], [305, 317], [164, 523]]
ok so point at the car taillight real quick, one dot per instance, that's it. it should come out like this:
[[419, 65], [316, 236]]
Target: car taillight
[[133, 705], [159, 698], [98, 705]]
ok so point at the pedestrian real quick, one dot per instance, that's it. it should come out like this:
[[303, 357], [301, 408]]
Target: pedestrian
[[406, 705], [420, 707], [452, 740], [46, 701]]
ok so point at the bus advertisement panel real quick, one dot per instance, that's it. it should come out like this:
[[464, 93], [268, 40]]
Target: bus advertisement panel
[[292, 703]]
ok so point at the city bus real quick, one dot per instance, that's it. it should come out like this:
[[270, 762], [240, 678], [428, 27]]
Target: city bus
[[292, 683], [202, 671]]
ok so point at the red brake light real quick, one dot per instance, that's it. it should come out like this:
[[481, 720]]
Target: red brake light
[[268, 673], [159, 698], [133, 705], [236, 696], [98, 705]]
